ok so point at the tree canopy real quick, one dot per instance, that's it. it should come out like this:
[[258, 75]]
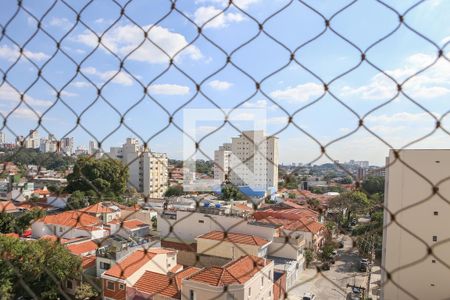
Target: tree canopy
[[99, 175], [229, 192], [174, 191], [373, 185], [42, 265]]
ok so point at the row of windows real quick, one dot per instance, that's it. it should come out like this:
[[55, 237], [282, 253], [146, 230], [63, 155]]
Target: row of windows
[[110, 285]]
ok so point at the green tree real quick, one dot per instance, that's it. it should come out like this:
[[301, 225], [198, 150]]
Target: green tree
[[85, 292], [174, 191], [43, 266], [100, 175], [154, 222], [309, 256], [229, 192], [77, 200], [351, 202], [313, 203], [373, 185]]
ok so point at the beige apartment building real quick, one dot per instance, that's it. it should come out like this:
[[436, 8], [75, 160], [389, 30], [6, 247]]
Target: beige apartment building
[[147, 169], [422, 217], [250, 160]]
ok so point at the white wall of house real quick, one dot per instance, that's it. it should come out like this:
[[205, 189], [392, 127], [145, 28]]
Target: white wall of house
[[40, 229], [189, 225], [229, 250]]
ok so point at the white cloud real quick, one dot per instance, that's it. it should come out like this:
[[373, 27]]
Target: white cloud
[[400, 117], [9, 94], [12, 53], [299, 93], [433, 83], [99, 21], [215, 18], [62, 23], [220, 85], [121, 78], [81, 84], [122, 40], [168, 89], [262, 103], [66, 94], [24, 113], [223, 3]]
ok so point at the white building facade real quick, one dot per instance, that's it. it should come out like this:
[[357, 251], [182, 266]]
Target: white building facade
[[148, 170], [416, 186], [250, 160]]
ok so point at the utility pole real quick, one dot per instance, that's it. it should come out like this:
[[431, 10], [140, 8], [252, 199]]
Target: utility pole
[[372, 252]]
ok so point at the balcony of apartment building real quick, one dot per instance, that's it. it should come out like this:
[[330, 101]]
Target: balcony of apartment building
[[118, 247]]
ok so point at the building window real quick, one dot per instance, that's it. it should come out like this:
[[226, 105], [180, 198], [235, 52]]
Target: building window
[[110, 286], [249, 292], [262, 280], [105, 266], [433, 261], [436, 213], [121, 286], [201, 221], [69, 284], [434, 238], [191, 295]]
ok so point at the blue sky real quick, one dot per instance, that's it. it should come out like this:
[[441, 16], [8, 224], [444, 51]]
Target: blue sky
[[202, 60]]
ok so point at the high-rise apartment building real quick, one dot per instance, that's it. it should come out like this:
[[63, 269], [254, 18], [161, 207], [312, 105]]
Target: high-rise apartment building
[[32, 141], [251, 160], [48, 144], [92, 147], [416, 194], [2, 138], [148, 170], [222, 162], [67, 145]]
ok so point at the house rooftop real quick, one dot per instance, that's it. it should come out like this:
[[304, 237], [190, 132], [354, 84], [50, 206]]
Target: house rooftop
[[133, 262], [152, 283], [236, 272], [73, 219], [235, 238], [83, 247]]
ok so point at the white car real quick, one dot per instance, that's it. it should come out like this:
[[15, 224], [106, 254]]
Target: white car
[[309, 296]]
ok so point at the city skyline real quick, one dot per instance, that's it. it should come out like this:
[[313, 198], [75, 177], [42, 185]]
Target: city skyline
[[293, 87]]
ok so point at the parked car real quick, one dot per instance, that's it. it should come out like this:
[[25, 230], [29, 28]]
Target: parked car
[[309, 296]]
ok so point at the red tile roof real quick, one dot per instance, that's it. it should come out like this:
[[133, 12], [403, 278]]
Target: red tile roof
[[286, 213], [83, 247], [235, 238], [14, 235], [131, 224], [97, 208], [7, 206], [235, 272], [295, 225], [152, 283], [243, 207], [88, 261], [179, 246], [54, 238], [133, 262], [74, 219]]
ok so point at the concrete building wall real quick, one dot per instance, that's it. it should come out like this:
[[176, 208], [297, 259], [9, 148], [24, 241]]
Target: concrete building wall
[[189, 225], [227, 249], [424, 219]]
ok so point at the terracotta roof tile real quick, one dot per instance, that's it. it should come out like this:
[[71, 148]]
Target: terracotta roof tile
[[130, 224], [133, 262], [152, 283], [7, 206], [83, 247], [74, 219], [235, 272], [88, 261], [295, 225], [235, 238]]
